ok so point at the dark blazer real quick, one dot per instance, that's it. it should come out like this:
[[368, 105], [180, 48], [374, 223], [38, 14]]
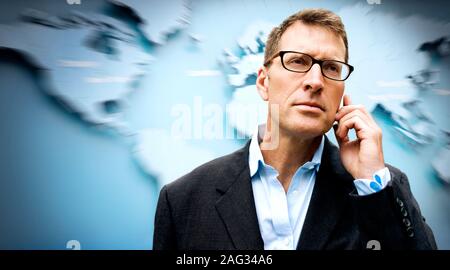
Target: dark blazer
[[212, 208]]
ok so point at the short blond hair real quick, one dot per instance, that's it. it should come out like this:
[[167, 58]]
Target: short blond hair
[[317, 17]]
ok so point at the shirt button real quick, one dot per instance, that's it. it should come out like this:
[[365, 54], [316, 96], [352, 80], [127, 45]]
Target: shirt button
[[404, 212], [399, 202], [407, 222], [410, 232]]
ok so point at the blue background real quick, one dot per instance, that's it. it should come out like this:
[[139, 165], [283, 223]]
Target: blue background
[[64, 179]]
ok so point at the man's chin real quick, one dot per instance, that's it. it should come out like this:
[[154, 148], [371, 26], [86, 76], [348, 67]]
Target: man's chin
[[305, 130]]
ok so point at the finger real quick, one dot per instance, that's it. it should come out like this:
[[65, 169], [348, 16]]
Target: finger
[[349, 108], [358, 113], [339, 139], [355, 122]]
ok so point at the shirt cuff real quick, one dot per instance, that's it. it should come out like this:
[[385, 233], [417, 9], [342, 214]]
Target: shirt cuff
[[380, 180]]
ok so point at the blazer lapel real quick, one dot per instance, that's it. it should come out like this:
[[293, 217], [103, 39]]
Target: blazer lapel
[[236, 206], [327, 201]]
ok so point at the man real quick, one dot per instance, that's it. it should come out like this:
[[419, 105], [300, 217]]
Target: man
[[289, 187]]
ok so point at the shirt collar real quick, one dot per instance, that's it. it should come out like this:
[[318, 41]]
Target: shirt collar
[[255, 156]]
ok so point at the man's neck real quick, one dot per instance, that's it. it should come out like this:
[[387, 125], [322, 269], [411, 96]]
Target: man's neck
[[291, 153]]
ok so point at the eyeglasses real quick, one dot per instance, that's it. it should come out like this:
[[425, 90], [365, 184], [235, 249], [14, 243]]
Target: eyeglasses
[[302, 63]]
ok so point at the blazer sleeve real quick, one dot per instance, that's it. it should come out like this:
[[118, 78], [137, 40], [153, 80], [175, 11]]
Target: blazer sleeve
[[164, 231], [392, 216]]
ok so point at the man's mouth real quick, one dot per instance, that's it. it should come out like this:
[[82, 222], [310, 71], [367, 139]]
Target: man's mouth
[[309, 105]]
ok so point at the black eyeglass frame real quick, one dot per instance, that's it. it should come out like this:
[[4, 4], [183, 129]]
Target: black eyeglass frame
[[314, 61]]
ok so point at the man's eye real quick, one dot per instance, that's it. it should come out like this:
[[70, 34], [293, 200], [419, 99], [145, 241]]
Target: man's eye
[[298, 61], [332, 67]]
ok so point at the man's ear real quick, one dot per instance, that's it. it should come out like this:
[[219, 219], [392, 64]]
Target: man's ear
[[262, 83]]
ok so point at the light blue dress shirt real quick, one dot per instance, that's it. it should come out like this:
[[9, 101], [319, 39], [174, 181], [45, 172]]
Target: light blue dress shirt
[[281, 214]]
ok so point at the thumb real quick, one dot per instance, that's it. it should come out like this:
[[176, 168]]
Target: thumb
[[347, 100], [335, 128]]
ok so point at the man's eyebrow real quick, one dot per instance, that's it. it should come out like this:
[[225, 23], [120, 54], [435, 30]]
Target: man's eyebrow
[[326, 57], [330, 57], [334, 57]]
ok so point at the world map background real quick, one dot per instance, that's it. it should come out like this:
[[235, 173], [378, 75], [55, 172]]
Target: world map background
[[88, 95]]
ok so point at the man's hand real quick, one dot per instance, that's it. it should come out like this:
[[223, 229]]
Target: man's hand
[[364, 156]]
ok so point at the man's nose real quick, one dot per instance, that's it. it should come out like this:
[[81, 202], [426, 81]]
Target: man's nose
[[313, 79]]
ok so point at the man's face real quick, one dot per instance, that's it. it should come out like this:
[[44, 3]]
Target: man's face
[[299, 94]]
